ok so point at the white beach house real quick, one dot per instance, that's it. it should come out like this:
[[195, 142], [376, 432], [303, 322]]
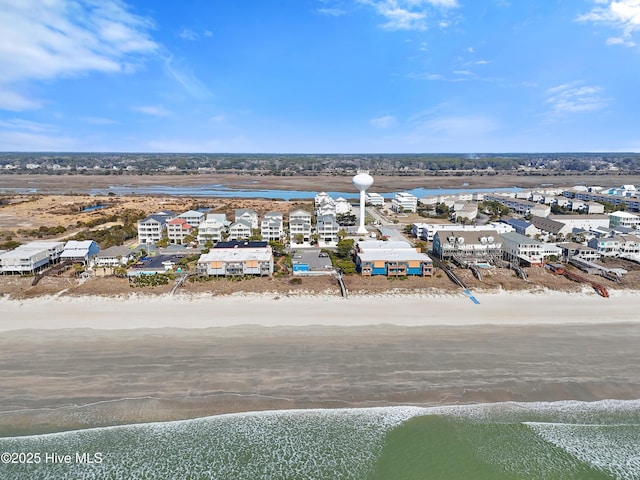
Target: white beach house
[[152, 228], [240, 230], [31, 257], [404, 202], [299, 227], [210, 230], [272, 226], [80, 251], [247, 215], [237, 259]]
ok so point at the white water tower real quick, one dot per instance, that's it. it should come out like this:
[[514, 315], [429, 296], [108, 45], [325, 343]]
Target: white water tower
[[362, 181]]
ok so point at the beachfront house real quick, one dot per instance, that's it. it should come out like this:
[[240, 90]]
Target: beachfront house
[[426, 231], [30, 258], [470, 246], [606, 246], [617, 246], [272, 226], [113, 257], [572, 249], [392, 258], [80, 251], [522, 250], [237, 259], [178, 229], [629, 245]]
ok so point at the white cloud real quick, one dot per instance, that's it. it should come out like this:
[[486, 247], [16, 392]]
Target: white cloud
[[31, 142], [99, 121], [188, 34], [21, 124], [572, 98], [48, 39], [153, 110], [17, 134], [459, 76], [185, 77], [16, 102], [432, 76], [408, 14], [620, 41], [331, 12], [191, 35], [385, 121], [623, 15], [218, 119]]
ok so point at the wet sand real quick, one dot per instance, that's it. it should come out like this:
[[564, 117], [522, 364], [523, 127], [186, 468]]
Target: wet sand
[[60, 378]]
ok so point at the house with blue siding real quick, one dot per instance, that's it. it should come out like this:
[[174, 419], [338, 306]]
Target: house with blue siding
[[393, 259], [80, 251]]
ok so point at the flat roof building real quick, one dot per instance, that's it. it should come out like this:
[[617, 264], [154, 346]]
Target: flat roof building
[[624, 219], [404, 202], [237, 259], [393, 258], [374, 199], [30, 258]]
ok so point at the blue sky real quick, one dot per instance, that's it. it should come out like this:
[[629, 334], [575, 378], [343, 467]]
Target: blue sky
[[320, 76]]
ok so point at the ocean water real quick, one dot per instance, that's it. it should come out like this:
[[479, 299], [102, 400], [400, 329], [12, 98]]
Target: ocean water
[[558, 440]]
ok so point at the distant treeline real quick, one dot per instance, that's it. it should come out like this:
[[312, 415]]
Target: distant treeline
[[270, 164]]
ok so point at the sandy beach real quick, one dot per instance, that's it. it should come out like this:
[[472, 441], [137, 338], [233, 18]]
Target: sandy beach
[[76, 362], [276, 309]]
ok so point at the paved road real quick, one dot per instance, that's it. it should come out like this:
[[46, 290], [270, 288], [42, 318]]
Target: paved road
[[376, 215], [392, 233]]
